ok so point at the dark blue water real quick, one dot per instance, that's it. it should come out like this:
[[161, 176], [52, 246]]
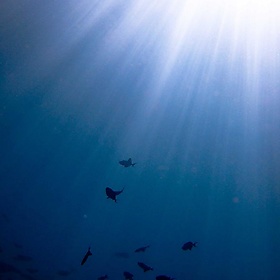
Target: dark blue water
[[85, 84]]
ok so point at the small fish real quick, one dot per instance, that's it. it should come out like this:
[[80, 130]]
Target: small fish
[[112, 194], [103, 277], [128, 275], [163, 277], [127, 163], [189, 245], [145, 267], [86, 256], [141, 249]]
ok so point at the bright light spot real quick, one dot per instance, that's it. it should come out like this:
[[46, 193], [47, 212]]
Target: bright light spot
[[187, 29], [196, 37]]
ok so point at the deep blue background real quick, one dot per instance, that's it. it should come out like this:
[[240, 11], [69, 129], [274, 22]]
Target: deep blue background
[[79, 92]]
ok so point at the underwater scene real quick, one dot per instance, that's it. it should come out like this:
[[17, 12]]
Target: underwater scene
[[139, 139]]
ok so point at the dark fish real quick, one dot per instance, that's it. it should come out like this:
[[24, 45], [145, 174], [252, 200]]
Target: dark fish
[[145, 267], [128, 275], [5, 268], [141, 249], [103, 277], [63, 273], [189, 245], [163, 277], [127, 163], [122, 255], [22, 258], [112, 194], [86, 256]]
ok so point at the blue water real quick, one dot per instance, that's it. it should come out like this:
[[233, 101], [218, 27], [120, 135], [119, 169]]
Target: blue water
[[85, 84]]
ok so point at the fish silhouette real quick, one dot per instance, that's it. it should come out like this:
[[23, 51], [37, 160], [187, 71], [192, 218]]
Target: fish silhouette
[[163, 277], [103, 277], [113, 194], [128, 275], [86, 256], [127, 163], [141, 249], [189, 245], [145, 267]]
